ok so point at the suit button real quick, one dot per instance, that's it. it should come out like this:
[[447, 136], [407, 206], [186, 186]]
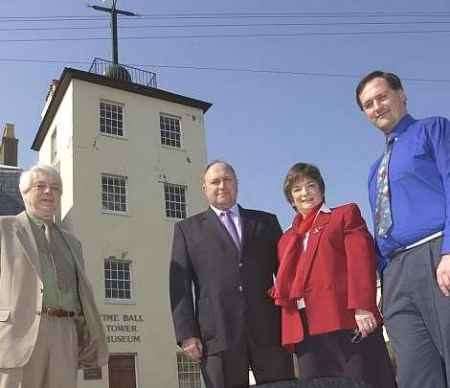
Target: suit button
[[241, 264], [240, 288], [42, 290], [38, 313]]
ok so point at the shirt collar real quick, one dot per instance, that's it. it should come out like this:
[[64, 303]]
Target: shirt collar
[[233, 209], [401, 126], [37, 221], [324, 209]]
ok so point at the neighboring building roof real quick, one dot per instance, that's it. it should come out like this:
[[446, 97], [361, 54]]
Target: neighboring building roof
[[9, 205], [6, 167], [11, 202], [68, 74]]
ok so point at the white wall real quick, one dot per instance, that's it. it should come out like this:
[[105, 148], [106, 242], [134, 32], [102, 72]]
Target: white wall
[[144, 234]]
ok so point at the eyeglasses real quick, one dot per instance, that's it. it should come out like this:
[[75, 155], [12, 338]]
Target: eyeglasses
[[41, 187], [357, 336]]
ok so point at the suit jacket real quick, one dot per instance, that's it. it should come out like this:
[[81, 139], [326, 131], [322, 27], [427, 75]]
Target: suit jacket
[[230, 287], [339, 274], [21, 291]]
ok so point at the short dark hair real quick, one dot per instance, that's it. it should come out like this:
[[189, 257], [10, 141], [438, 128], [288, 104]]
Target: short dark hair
[[218, 161], [393, 81], [302, 170]]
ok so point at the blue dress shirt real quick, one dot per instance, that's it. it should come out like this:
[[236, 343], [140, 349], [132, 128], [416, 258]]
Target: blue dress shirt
[[419, 181]]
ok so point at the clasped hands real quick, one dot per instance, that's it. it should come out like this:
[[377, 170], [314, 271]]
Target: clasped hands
[[366, 322], [193, 348]]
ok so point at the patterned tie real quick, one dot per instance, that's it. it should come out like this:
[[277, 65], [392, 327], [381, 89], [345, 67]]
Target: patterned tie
[[231, 227], [48, 236], [383, 215], [46, 230]]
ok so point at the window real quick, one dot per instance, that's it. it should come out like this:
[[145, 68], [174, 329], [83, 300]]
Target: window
[[114, 193], [54, 146], [188, 372], [117, 279], [175, 198], [170, 131], [111, 118]]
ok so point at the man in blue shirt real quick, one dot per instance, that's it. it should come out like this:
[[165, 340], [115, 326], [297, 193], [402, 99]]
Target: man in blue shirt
[[409, 193]]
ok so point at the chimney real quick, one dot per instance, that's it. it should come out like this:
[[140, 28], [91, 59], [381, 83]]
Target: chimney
[[51, 91], [8, 147]]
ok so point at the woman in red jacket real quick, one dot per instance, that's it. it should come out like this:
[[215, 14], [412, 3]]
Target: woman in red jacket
[[326, 287]]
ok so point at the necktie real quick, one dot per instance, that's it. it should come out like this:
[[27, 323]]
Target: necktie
[[48, 236], [231, 227], [46, 230], [383, 215]]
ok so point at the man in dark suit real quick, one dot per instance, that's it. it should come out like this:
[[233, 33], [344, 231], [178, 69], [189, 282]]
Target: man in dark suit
[[223, 262]]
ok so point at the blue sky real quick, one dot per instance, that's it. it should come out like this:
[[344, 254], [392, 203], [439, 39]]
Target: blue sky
[[260, 122]]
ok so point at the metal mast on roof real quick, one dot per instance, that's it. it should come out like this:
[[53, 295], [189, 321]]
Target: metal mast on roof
[[114, 12]]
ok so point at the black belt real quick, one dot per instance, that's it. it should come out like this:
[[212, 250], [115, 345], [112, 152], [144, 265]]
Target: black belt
[[57, 312]]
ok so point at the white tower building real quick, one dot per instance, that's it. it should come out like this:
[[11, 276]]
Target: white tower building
[[130, 156]]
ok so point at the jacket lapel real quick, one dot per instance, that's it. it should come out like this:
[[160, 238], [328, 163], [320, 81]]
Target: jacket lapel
[[313, 241], [27, 241], [247, 227], [75, 255]]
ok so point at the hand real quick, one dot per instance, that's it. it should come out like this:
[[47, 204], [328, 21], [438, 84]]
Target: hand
[[366, 322], [193, 348], [443, 274]]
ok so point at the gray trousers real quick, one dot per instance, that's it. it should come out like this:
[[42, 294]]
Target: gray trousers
[[54, 361], [417, 317]]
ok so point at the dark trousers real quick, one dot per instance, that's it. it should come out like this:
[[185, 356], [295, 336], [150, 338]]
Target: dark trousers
[[335, 355], [417, 317], [321, 382], [229, 369]]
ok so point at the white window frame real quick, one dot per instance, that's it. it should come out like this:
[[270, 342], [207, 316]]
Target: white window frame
[[178, 142], [114, 211], [119, 107], [117, 300], [168, 202], [189, 370]]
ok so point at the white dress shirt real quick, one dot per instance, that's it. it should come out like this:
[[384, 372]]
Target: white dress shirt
[[235, 216]]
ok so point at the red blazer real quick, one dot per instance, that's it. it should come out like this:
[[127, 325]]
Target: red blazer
[[339, 274]]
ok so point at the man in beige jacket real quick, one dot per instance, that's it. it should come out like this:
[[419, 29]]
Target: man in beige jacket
[[49, 323]]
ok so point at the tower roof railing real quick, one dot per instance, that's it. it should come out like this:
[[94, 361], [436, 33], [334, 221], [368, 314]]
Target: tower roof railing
[[123, 72]]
